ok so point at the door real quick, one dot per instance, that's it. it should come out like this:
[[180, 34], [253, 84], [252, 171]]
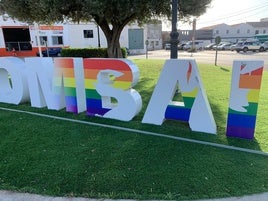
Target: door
[[136, 38]]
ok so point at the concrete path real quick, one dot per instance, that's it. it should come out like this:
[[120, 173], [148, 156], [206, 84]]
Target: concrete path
[[13, 196]]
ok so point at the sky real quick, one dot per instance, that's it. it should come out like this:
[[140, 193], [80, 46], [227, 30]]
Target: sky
[[229, 12]]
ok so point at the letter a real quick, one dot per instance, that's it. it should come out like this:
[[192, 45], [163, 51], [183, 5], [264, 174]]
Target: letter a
[[194, 109]]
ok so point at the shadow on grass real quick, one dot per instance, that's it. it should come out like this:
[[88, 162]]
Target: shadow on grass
[[225, 69]]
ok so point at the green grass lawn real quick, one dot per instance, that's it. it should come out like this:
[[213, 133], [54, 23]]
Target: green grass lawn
[[55, 157]]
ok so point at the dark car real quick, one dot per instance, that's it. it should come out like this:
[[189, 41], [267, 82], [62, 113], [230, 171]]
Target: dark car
[[51, 52]]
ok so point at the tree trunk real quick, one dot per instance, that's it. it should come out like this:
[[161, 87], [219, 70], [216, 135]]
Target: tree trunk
[[114, 49], [112, 36]]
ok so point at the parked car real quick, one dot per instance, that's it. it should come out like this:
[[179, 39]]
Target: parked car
[[265, 45], [224, 46], [250, 46], [51, 52], [167, 46], [180, 46], [234, 46], [198, 45], [217, 45], [209, 46]]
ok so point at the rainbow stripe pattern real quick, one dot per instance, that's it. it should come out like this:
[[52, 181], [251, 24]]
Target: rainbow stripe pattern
[[92, 67], [181, 110], [242, 124], [65, 83]]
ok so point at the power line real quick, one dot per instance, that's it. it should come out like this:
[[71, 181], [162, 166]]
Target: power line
[[241, 12]]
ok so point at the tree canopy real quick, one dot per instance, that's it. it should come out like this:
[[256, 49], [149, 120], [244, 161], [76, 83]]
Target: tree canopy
[[111, 15]]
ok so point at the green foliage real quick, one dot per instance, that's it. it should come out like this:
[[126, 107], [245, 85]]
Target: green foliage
[[192, 8], [88, 52], [117, 13], [85, 52], [112, 11], [124, 52]]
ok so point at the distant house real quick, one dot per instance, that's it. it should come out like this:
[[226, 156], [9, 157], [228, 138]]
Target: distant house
[[230, 33], [260, 27], [237, 32], [154, 35]]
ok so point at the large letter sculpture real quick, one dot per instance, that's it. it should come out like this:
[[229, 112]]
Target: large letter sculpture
[[69, 83], [194, 109], [13, 87], [245, 88], [40, 81], [109, 78]]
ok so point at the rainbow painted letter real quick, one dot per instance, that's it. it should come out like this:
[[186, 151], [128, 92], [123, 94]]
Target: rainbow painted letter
[[112, 78], [69, 83], [194, 109], [243, 106]]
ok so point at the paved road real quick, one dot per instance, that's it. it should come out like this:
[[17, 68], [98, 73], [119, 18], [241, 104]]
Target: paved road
[[225, 58]]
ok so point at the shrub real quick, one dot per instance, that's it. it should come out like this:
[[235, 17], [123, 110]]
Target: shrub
[[88, 52]]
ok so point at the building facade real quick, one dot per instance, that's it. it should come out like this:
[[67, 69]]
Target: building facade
[[28, 40], [228, 33], [238, 32], [154, 36]]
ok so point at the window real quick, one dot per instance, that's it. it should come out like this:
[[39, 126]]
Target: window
[[217, 32], [227, 31], [257, 32], [264, 31], [88, 33], [57, 40], [43, 40], [238, 31], [248, 31], [17, 38]]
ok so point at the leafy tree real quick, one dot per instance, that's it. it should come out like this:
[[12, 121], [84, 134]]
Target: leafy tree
[[111, 15]]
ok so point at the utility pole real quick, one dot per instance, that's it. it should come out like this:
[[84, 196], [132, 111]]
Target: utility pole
[[193, 36], [36, 27], [174, 33]]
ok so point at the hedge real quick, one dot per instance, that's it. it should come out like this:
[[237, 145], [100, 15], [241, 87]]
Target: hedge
[[88, 52]]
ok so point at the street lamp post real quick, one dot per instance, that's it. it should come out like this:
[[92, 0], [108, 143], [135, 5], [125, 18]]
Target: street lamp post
[[174, 33], [98, 30]]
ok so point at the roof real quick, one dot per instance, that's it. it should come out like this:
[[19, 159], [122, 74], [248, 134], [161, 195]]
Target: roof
[[258, 24], [213, 26], [253, 24]]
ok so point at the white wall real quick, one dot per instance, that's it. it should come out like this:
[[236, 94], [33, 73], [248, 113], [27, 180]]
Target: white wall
[[233, 33], [75, 36]]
